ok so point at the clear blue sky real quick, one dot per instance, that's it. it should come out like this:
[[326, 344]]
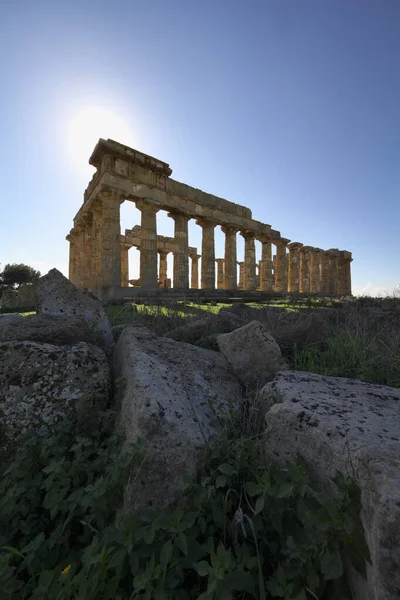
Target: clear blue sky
[[290, 107]]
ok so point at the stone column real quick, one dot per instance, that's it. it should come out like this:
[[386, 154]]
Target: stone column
[[97, 221], [324, 272], [110, 260], [333, 271], [148, 244], [347, 272], [181, 258], [249, 260], [72, 256], [294, 267], [163, 272], [88, 279], [281, 273], [220, 273], [230, 269], [304, 284], [195, 271], [241, 274], [344, 277], [125, 265], [315, 282], [266, 278], [207, 255], [79, 234]]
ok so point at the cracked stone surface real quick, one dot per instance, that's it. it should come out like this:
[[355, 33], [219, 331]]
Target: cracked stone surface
[[56, 295], [345, 425], [174, 396], [252, 352], [42, 384]]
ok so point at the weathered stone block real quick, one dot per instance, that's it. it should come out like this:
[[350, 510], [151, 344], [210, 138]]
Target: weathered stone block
[[345, 425]]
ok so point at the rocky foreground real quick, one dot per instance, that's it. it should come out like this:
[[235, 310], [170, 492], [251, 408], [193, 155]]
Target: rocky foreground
[[176, 390]]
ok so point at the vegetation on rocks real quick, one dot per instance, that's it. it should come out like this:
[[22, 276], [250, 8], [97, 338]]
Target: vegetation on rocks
[[246, 530]]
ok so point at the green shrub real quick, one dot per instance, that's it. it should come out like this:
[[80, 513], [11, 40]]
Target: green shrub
[[247, 530]]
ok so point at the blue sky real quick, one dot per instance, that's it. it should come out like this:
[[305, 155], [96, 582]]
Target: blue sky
[[290, 107]]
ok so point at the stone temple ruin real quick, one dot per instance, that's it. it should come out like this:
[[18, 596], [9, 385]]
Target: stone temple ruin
[[99, 253]]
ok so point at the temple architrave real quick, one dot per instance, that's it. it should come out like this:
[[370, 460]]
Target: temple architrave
[[99, 253]]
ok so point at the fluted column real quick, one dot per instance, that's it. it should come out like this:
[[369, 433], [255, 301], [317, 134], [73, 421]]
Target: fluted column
[[324, 272], [73, 250], [241, 274], [230, 270], [266, 278], [347, 273], [88, 279], [220, 273], [148, 244], [249, 260], [97, 221], [110, 257], [304, 284], [344, 277], [194, 283], [207, 255], [281, 272], [294, 267], [181, 258], [79, 234], [125, 265], [333, 271], [163, 272], [314, 271]]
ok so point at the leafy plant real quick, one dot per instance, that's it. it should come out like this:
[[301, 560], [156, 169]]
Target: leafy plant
[[245, 529]]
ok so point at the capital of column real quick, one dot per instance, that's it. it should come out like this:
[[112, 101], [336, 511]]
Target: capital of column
[[279, 242], [247, 234], [204, 222], [220, 261], [229, 229], [147, 205], [164, 252], [174, 214], [105, 197], [294, 246]]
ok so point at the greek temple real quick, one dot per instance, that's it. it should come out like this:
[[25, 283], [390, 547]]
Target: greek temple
[[99, 259]]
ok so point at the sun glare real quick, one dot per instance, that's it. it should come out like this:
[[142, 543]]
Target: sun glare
[[87, 127]]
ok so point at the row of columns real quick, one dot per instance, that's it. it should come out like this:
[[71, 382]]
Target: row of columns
[[97, 258]]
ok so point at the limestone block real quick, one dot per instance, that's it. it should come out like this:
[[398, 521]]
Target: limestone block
[[339, 424], [9, 299], [195, 331], [42, 384], [252, 352], [173, 397], [8, 318], [26, 296], [56, 295], [53, 329]]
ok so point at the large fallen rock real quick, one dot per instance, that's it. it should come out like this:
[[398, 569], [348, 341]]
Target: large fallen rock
[[53, 329], [203, 332], [253, 353], [301, 329], [8, 318], [42, 384], [56, 295], [289, 328], [345, 425], [174, 396]]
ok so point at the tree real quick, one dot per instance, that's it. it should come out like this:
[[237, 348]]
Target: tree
[[14, 275]]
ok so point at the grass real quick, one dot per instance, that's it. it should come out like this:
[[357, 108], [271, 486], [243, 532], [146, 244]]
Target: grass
[[363, 340]]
